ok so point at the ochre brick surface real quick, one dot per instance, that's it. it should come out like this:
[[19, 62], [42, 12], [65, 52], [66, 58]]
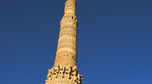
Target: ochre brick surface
[[65, 69]]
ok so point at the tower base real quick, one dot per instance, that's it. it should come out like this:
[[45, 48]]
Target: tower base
[[64, 75]]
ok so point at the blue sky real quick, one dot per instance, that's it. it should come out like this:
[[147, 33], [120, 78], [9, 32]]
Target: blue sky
[[114, 44]]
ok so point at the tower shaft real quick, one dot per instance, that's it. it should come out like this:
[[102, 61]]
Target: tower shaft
[[66, 50], [65, 69]]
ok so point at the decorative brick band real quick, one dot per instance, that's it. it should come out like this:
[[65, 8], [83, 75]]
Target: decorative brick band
[[64, 73]]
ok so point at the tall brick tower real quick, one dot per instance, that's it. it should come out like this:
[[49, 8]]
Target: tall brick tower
[[65, 69]]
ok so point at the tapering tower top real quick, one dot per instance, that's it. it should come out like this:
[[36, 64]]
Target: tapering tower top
[[70, 7]]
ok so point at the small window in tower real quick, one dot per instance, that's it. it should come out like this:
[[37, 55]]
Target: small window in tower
[[72, 17]]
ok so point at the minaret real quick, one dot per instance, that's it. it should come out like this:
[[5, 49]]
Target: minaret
[[65, 69]]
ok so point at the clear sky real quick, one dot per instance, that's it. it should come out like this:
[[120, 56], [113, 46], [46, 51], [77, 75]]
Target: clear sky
[[114, 44]]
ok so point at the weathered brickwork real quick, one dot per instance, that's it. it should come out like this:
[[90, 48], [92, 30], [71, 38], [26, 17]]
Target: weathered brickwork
[[64, 75], [65, 69]]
